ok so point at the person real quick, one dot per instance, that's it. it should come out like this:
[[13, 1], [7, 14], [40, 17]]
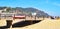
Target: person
[[9, 23]]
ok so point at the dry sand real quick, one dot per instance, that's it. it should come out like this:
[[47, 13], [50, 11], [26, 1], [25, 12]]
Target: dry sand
[[45, 24], [2, 22]]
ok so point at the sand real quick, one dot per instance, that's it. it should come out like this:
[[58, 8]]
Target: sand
[[44, 24]]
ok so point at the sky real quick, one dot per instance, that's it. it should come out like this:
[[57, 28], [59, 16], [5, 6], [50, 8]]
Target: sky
[[52, 7]]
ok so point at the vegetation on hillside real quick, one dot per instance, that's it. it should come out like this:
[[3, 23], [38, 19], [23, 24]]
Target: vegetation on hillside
[[28, 11]]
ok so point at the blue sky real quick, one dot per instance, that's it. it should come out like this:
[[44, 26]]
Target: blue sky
[[52, 7]]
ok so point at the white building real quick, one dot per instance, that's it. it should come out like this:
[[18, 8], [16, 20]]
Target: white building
[[3, 10]]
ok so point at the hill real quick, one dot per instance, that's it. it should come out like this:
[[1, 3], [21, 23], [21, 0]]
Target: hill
[[27, 11]]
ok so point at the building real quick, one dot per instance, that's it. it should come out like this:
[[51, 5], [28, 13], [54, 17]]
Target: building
[[1, 10]]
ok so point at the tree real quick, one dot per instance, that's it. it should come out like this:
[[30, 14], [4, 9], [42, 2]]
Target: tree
[[8, 9]]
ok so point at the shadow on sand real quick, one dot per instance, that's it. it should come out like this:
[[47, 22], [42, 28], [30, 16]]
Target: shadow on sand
[[25, 23], [21, 24]]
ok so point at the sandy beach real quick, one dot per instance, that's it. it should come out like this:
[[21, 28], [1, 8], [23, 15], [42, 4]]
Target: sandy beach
[[44, 24]]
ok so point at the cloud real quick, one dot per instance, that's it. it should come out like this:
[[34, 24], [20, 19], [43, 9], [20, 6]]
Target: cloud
[[47, 1], [57, 4], [53, 2]]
